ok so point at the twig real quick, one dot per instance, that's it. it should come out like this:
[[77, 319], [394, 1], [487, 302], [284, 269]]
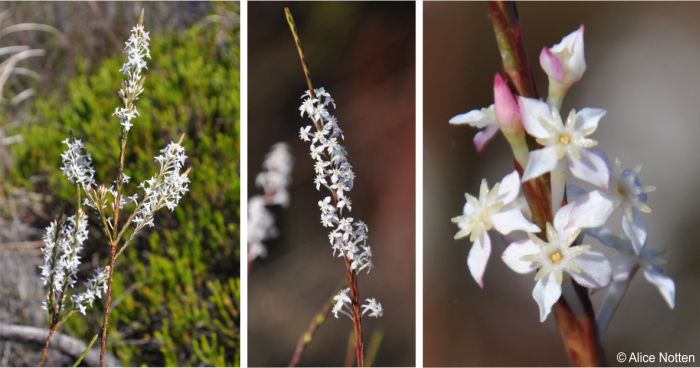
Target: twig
[[578, 330], [308, 335]]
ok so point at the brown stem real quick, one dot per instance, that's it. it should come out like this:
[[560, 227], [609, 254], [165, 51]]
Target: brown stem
[[578, 330], [356, 313], [44, 352], [108, 302]]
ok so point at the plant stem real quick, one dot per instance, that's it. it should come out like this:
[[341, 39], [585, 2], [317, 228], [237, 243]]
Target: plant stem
[[108, 302], [578, 331], [45, 351], [350, 274]]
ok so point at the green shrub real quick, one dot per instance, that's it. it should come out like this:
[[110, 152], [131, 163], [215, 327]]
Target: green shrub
[[176, 291]]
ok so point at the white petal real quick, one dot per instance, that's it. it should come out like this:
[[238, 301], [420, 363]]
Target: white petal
[[478, 118], [576, 63], [635, 230], [590, 167], [546, 292], [512, 219], [589, 211], [541, 161], [606, 236], [665, 284], [478, 257], [513, 256], [587, 119], [509, 188], [533, 111], [596, 271]]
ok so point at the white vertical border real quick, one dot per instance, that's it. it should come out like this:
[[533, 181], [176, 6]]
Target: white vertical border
[[243, 258], [419, 183]]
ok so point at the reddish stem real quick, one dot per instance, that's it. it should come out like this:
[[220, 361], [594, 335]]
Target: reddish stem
[[45, 351], [578, 330]]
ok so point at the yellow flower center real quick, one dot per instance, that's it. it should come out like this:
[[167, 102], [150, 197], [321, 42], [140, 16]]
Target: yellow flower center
[[556, 256], [565, 139]]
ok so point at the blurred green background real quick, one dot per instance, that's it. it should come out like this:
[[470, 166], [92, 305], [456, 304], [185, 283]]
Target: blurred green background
[[176, 291], [643, 68], [363, 53]]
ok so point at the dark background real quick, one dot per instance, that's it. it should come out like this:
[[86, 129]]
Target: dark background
[[643, 68], [364, 54]]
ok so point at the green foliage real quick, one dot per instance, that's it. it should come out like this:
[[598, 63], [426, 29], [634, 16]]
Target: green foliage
[[176, 290]]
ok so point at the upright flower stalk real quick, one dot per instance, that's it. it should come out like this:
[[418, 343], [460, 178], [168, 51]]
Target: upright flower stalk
[[563, 215], [334, 174], [164, 189]]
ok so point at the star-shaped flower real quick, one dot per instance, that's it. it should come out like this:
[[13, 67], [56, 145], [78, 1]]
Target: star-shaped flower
[[563, 141], [494, 209], [484, 119], [556, 255]]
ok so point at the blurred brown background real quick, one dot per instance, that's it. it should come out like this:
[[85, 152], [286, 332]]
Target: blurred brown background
[[643, 61], [364, 54]]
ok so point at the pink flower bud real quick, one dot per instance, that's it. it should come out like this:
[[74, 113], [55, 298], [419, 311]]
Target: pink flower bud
[[506, 107]]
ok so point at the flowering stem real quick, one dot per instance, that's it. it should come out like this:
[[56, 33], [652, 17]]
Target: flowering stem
[[350, 274], [45, 351], [558, 180], [578, 330]]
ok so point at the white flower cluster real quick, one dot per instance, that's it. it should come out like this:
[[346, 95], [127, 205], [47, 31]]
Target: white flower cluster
[[348, 237], [275, 177], [63, 242], [342, 304], [274, 180], [95, 288], [564, 144], [137, 51], [166, 188], [76, 164]]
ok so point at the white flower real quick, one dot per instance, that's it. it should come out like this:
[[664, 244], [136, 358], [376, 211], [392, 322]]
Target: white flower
[[63, 242], [166, 188], [275, 177], [95, 287], [494, 209], [305, 133], [630, 195], [564, 62], [563, 142], [631, 256], [484, 119], [261, 226], [556, 255], [342, 302], [77, 164], [373, 307]]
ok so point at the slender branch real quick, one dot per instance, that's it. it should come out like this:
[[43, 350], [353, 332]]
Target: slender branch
[[297, 42], [52, 331], [308, 335], [578, 330]]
